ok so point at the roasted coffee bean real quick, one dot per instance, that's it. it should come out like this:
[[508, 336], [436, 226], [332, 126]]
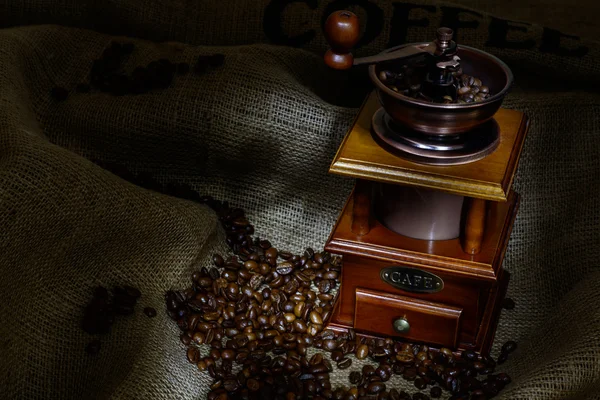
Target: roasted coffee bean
[[300, 326], [447, 352], [398, 368], [230, 384], [330, 344], [502, 357], [228, 354], [383, 373], [253, 385], [368, 370], [193, 354], [309, 253], [209, 336], [331, 275], [315, 318], [316, 359], [389, 77], [185, 338], [478, 365], [285, 268], [376, 387], [202, 365], [319, 259], [337, 355], [504, 378], [299, 309], [469, 355], [324, 286], [291, 287], [230, 275], [150, 312], [435, 392], [409, 374], [422, 356], [216, 384], [289, 317], [318, 368], [327, 334], [355, 377], [271, 253], [218, 260], [420, 383], [344, 363], [405, 357], [362, 351], [415, 87], [509, 346]]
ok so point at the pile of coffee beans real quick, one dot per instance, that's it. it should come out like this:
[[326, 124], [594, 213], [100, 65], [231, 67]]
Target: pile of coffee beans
[[263, 308], [107, 74], [408, 81], [263, 312], [252, 319], [99, 314]]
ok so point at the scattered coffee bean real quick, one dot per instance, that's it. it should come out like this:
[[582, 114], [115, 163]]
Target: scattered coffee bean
[[150, 312], [502, 357], [509, 346], [355, 377], [420, 383], [375, 387], [193, 355], [362, 351], [435, 392], [469, 355], [345, 363]]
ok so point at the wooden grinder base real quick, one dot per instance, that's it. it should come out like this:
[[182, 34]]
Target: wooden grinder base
[[462, 314]]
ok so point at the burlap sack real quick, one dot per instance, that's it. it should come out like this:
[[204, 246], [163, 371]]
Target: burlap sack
[[258, 133]]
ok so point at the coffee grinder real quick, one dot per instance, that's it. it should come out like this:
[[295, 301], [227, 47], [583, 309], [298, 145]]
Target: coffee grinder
[[425, 229]]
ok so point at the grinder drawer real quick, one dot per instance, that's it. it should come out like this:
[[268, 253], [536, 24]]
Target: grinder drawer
[[380, 313]]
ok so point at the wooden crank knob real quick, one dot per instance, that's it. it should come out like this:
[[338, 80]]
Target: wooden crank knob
[[342, 32]]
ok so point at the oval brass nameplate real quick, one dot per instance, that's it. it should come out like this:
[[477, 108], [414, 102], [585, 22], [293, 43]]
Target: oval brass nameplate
[[412, 279]]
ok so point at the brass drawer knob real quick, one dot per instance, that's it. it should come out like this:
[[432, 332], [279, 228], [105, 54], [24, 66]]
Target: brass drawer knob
[[401, 325]]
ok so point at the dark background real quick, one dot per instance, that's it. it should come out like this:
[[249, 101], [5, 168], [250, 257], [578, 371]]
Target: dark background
[[576, 17]]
